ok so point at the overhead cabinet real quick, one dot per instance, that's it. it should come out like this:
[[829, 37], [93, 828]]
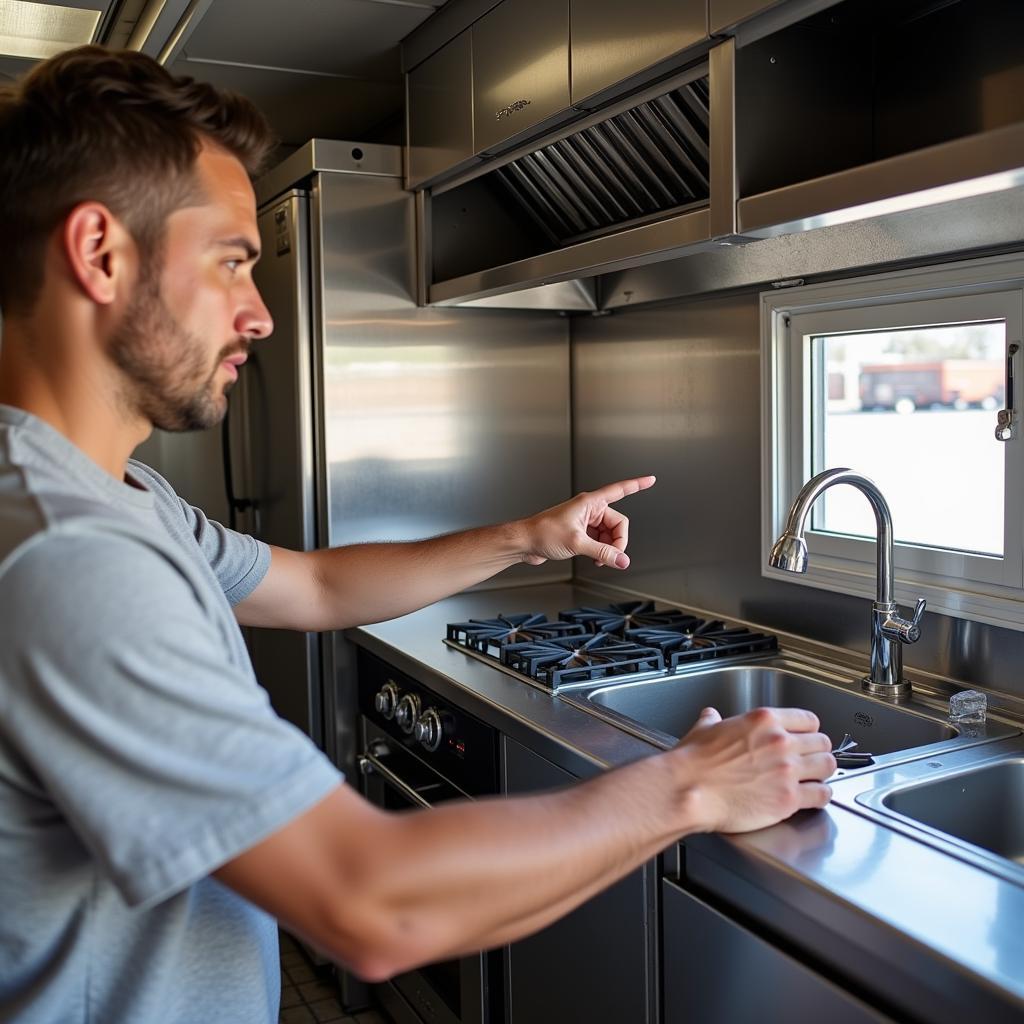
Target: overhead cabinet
[[440, 110], [871, 103], [613, 41], [726, 14], [520, 69]]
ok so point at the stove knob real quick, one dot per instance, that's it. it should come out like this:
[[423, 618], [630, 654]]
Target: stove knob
[[429, 730], [407, 712], [386, 699]]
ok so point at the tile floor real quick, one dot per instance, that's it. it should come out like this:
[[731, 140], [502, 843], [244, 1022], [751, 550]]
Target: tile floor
[[309, 995]]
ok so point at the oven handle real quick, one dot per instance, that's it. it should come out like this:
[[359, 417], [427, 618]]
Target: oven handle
[[368, 764]]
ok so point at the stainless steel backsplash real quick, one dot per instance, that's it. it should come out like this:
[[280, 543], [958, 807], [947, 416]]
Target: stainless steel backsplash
[[675, 390]]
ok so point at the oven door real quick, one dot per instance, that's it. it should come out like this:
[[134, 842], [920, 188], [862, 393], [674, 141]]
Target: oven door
[[454, 991]]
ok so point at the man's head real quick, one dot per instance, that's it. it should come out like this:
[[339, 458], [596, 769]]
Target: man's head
[[126, 191]]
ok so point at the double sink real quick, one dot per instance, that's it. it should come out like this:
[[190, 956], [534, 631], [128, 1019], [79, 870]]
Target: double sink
[[957, 787]]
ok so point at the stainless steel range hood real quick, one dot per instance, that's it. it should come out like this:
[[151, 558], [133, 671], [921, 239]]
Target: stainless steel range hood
[[629, 184]]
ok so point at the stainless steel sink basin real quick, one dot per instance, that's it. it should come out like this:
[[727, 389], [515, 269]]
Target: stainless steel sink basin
[[969, 803], [664, 708]]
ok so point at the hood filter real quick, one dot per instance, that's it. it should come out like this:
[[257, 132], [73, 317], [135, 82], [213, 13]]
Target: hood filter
[[637, 166]]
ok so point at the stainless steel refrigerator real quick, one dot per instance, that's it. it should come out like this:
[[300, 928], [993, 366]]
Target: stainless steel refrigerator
[[364, 417]]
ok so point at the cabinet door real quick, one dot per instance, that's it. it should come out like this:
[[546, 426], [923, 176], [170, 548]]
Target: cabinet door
[[441, 111], [520, 68], [612, 40], [725, 14], [716, 970], [593, 964]]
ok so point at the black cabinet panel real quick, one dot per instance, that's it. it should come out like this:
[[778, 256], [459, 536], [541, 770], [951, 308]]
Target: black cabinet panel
[[717, 972], [592, 966]]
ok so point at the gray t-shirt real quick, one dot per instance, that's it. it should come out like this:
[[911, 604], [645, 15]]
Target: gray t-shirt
[[137, 751]]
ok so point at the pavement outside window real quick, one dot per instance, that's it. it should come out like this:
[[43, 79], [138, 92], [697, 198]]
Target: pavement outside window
[[309, 994]]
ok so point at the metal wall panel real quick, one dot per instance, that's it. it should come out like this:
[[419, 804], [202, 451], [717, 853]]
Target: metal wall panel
[[434, 420], [675, 391]]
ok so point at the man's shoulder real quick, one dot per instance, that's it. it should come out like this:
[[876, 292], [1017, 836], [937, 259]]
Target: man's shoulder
[[30, 513], [152, 481], [97, 572]]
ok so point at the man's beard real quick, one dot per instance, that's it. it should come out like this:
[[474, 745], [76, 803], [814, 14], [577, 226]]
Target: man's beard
[[168, 379]]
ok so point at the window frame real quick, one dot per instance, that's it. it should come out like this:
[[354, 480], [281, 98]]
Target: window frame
[[963, 584]]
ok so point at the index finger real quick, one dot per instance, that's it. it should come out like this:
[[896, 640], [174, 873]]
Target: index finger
[[797, 719], [613, 492]]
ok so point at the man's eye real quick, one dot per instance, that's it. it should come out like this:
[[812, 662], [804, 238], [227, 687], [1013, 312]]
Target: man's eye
[[232, 265]]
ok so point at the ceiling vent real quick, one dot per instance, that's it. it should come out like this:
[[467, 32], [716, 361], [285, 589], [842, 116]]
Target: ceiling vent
[[37, 31]]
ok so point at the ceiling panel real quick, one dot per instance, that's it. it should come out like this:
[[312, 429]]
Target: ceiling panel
[[89, 5], [353, 37], [327, 68], [301, 107]]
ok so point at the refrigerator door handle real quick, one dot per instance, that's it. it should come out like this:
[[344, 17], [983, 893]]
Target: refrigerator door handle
[[235, 504]]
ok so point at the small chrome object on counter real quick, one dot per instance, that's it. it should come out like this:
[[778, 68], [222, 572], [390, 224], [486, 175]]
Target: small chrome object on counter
[[968, 706], [889, 630]]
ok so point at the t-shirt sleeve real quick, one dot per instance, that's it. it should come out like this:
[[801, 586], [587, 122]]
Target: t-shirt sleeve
[[239, 561], [119, 693]]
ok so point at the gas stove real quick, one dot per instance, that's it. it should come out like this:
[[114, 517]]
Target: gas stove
[[584, 645]]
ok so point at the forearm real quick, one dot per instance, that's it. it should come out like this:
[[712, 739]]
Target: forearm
[[488, 873], [335, 588], [362, 583], [365, 583]]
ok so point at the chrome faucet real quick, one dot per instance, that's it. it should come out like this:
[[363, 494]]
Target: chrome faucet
[[889, 630]]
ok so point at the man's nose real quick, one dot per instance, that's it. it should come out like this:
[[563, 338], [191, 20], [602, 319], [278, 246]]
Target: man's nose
[[254, 319]]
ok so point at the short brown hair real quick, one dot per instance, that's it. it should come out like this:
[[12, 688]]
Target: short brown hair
[[111, 126]]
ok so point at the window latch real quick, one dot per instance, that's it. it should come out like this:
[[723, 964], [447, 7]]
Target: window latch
[[1004, 418]]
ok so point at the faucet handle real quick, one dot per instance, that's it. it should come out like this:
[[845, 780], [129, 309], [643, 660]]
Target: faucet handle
[[906, 631]]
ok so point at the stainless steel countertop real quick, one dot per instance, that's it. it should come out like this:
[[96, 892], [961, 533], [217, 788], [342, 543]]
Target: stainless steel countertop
[[886, 905]]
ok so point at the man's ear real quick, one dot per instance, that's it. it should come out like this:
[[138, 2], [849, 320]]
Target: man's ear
[[99, 251]]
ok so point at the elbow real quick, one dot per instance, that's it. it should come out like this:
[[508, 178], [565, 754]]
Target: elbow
[[371, 968], [376, 942]]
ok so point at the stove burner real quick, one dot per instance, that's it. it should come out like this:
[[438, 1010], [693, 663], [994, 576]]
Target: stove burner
[[490, 636], [629, 615], [708, 640], [576, 659], [593, 643]]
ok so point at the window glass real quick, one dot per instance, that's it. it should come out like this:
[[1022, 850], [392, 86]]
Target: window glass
[[914, 410]]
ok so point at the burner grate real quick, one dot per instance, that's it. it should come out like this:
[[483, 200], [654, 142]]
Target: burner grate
[[586, 643], [708, 641], [578, 659], [622, 618], [490, 636]]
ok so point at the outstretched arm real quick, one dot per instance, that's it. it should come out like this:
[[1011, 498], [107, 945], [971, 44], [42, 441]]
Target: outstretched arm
[[349, 586], [384, 892]]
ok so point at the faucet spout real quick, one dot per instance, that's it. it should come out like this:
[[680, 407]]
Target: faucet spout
[[793, 536], [889, 631]]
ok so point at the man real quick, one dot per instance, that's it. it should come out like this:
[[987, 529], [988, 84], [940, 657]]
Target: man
[[155, 815]]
